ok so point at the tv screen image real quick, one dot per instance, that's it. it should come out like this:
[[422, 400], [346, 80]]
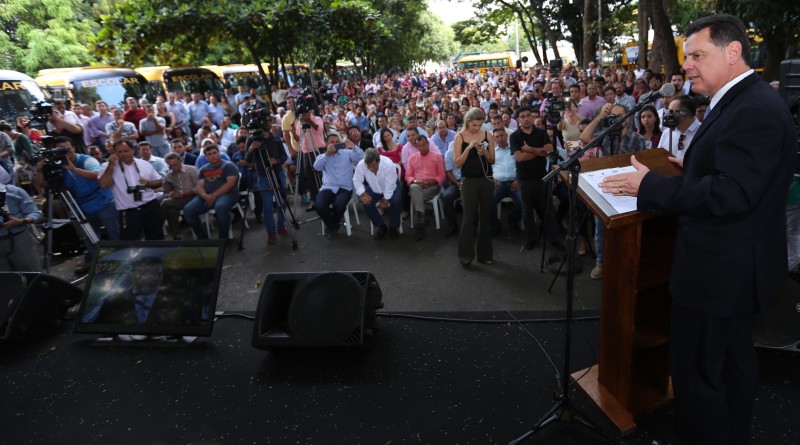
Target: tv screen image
[[152, 288]]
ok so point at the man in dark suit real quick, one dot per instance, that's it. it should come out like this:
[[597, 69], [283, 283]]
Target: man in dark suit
[[730, 252], [179, 147], [145, 301]]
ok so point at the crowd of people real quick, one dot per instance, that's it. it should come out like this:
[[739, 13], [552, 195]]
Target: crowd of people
[[465, 140]]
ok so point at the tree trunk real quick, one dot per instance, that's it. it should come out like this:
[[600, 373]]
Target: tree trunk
[[644, 27], [776, 49], [588, 54], [530, 35], [663, 41]]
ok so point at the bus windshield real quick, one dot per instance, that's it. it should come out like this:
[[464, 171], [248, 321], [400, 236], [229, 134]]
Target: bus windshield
[[16, 97], [193, 81], [112, 90]]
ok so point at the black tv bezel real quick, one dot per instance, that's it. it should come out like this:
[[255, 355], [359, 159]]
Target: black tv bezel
[[155, 329]]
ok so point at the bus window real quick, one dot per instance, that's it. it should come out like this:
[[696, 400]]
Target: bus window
[[112, 90], [16, 96]]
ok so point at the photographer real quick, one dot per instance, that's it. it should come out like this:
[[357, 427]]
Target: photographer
[[133, 183], [310, 131], [62, 122], [78, 173], [266, 153], [680, 119], [17, 247]]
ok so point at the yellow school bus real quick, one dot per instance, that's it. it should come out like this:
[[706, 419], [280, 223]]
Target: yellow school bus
[[17, 92], [188, 79], [90, 84], [486, 62]]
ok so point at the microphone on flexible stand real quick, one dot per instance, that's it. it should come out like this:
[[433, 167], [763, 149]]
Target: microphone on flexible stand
[[666, 90]]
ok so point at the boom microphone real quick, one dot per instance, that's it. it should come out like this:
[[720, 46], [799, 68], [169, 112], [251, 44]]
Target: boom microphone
[[666, 90]]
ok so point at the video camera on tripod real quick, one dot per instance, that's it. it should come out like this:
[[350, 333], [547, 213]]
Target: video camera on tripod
[[256, 117], [554, 107], [305, 102], [54, 158]]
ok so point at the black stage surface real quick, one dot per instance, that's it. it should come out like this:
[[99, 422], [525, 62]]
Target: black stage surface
[[419, 382]]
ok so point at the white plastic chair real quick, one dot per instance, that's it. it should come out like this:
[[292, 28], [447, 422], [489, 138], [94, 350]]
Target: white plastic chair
[[438, 208], [348, 227]]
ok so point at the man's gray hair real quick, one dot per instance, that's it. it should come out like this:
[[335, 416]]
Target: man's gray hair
[[371, 155]]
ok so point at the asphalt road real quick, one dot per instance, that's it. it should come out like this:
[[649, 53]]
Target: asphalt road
[[414, 276]]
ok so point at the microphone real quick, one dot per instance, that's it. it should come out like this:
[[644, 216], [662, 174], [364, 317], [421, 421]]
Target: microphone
[[666, 90]]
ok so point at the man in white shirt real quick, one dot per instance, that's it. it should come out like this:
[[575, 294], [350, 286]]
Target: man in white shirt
[[158, 163], [133, 182], [375, 182], [678, 139]]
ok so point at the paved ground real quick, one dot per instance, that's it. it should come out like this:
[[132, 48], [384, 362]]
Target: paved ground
[[414, 276]]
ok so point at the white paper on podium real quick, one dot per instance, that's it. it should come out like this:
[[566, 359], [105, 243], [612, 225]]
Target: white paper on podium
[[610, 204]]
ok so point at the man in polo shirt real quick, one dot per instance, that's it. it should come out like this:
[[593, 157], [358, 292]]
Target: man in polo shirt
[[217, 188], [132, 182]]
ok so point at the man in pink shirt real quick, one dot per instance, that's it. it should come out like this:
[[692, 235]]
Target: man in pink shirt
[[410, 147], [424, 175], [309, 130]]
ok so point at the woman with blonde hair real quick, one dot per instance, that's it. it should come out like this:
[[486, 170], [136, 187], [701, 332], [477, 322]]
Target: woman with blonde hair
[[473, 150]]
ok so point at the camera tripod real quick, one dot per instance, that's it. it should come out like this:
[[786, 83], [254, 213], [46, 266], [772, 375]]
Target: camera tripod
[[279, 196], [304, 159], [82, 226]]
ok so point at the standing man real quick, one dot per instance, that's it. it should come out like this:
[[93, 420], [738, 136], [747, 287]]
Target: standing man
[[680, 138], [730, 251], [134, 114], [99, 122], [152, 128], [132, 182], [198, 109], [530, 147]]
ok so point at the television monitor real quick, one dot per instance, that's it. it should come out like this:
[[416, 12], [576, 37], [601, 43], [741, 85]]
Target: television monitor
[[152, 288]]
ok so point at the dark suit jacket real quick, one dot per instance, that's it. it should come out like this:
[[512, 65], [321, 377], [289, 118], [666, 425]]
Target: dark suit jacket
[[189, 159], [168, 308], [730, 252]]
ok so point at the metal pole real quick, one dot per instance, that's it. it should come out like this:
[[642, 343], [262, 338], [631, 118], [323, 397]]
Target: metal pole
[[600, 32]]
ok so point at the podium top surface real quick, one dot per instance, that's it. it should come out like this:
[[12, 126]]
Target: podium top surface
[[655, 159]]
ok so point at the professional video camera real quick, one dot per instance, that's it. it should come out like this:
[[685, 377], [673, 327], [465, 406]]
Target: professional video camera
[[55, 158], [305, 102], [555, 106], [611, 120], [41, 110], [256, 117]]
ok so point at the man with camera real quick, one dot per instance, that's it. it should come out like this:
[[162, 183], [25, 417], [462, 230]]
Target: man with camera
[[133, 182], [336, 165], [680, 119], [63, 122], [17, 247], [309, 130], [78, 173], [265, 152]]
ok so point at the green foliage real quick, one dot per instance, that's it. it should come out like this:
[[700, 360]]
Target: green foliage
[[45, 33]]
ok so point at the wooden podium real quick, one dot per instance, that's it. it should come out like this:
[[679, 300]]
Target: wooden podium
[[632, 375]]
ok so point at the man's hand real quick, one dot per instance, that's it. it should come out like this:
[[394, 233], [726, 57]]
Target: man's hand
[[625, 184], [366, 199], [255, 145], [209, 199], [676, 161], [12, 222], [514, 186], [383, 203], [112, 160], [331, 150]]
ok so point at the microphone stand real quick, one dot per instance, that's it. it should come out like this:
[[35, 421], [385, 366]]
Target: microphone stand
[[564, 410]]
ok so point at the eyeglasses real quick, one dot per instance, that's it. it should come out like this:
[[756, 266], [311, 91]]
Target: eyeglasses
[[681, 142]]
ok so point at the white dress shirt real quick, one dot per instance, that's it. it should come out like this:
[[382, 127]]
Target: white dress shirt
[[384, 182]]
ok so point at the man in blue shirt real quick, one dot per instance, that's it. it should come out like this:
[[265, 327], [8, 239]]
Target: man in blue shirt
[[336, 165], [443, 136], [17, 247], [505, 180], [359, 120]]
